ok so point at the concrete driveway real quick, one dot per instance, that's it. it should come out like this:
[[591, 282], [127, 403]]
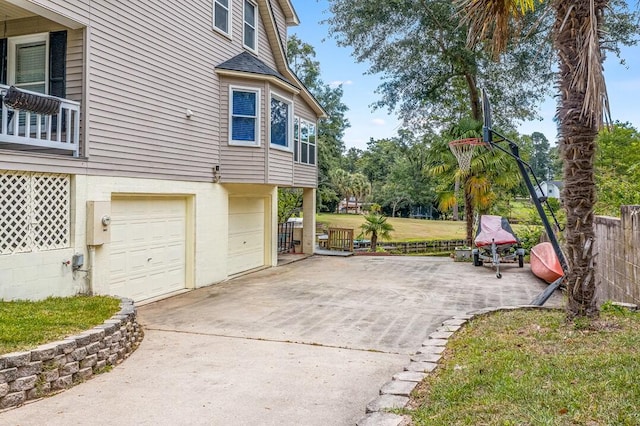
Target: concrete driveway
[[308, 343]]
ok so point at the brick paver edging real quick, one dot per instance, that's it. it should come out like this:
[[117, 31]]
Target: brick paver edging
[[395, 393], [56, 366]]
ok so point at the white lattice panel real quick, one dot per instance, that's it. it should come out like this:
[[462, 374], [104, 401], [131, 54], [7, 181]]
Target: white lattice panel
[[34, 211]]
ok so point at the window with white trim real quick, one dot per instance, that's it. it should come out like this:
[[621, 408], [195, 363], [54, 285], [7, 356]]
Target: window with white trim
[[280, 135], [244, 115], [28, 62], [250, 33], [304, 135], [222, 16]]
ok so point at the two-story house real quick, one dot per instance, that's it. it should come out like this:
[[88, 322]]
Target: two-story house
[[142, 144]]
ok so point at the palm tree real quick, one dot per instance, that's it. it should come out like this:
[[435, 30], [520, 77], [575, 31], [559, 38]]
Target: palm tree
[[341, 180], [376, 225], [360, 187], [489, 169], [576, 36]]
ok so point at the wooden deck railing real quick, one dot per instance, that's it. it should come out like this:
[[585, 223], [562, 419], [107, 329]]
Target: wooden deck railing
[[340, 239], [58, 131]]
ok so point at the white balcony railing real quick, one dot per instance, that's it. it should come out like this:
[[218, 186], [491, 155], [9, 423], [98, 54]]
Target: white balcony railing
[[59, 131]]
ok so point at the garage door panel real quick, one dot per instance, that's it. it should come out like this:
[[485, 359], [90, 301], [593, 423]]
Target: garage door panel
[[248, 222], [148, 248], [246, 234]]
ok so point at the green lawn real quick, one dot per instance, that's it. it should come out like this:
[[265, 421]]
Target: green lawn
[[405, 229], [25, 324], [531, 367]]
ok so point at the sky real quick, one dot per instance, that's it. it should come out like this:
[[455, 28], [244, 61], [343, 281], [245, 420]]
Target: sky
[[337, 66]]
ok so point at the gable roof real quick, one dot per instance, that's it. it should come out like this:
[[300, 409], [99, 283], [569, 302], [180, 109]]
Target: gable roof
[[279, 50]]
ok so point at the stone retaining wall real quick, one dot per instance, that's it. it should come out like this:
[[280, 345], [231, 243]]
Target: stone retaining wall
[[59, 365]]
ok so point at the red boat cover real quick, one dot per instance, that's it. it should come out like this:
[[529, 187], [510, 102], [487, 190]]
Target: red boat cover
[[491, 230]]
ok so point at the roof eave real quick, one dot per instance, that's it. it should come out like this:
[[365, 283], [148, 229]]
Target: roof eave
[[290, 14], [262, 77]]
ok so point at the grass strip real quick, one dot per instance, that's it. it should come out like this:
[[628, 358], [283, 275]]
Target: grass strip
[[531, 367], [27, 324]]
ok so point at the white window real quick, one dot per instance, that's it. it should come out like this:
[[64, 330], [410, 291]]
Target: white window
[[222, 16], [244, 113], [304, 135], [28, 62], [281, 120], [250, 26]]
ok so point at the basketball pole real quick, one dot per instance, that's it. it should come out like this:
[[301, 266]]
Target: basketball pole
[[515, 154]]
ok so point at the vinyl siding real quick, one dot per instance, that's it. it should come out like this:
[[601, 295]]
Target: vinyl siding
[[149, 63], [305, 176], [280, 22], [280, 167], [264, 50], [242, 163], [75, 54]]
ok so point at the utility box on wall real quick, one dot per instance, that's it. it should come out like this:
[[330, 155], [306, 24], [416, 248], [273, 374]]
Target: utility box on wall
[[98, 222]]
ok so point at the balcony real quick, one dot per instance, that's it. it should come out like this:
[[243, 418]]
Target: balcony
[[25, 130]]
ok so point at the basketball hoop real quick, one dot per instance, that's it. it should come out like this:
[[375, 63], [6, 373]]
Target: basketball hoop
[[463, 150]]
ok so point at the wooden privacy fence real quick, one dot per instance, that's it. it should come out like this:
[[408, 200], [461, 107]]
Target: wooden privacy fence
[[618, 256], [340, 239]]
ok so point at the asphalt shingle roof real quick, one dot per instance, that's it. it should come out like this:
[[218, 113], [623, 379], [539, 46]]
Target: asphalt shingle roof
[[246, 62]]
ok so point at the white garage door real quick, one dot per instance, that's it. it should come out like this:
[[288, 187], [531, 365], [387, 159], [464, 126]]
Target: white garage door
[[147, 247], [246, 234]]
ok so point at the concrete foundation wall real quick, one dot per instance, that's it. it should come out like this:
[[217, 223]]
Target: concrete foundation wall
[[37, 275]]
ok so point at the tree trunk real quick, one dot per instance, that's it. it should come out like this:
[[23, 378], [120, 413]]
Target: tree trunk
[[374, 241], [474, 96], [468, 212], [456, 190], [577, 133]]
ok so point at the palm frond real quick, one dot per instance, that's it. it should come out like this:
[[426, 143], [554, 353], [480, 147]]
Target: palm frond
[[492, 20], [590, 74]]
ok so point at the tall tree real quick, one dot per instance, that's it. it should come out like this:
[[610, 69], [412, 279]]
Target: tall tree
[[577, 37], [540, 156], [490, 171], [431, 76], [617, 168], [360, 188], [341, 181], [301, 57]]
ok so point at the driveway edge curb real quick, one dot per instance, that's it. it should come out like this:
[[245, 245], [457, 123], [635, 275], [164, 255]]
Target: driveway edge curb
[[395, 394]]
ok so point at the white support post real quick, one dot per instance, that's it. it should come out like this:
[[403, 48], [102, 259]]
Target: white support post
[[309, 220]]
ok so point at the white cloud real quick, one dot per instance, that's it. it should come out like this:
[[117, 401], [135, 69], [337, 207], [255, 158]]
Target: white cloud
[[337, 83], [378, 122]]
